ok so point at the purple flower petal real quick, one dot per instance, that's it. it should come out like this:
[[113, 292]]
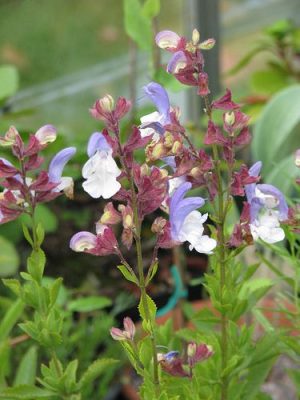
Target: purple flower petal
[[160, 98], [273, 191], [250, 189], [58, 163], [83, 241], [180, 208], [177, 62], [167, 39], [96, 142]]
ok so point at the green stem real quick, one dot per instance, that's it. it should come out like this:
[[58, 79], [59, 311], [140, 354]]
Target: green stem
[[221, 217], [137, 237]]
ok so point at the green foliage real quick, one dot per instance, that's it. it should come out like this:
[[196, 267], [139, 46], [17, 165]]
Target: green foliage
[[9, 258], [26, 392], [9, 81], [88, 304], [137, 23], [45, 217], [10, 319], [27, 368], [278, 124]]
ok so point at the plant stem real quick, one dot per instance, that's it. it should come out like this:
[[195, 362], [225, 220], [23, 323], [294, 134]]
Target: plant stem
[[221, 217], [138, 244]]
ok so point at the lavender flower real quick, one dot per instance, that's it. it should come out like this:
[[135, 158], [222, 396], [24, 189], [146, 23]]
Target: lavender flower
[[187, 223], [101, 170], [267, 208]]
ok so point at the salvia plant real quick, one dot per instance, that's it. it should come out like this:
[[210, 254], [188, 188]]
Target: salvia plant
[[220, 358]]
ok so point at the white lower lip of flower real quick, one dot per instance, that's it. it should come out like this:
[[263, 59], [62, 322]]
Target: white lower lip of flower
[[192, 232], [267, 228], [101, 172]]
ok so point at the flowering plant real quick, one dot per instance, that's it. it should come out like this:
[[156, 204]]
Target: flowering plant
[[236, 365], [220, 358]]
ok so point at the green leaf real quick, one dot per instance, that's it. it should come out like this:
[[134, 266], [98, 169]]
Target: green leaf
[[279, 126], [9, 258], [148, 310], [283, 174], [151, 8], [36, 264], [27, 234], [151, 273], [26, 371], [95, 370], [14, 285], [10, 319], [25, 392], [269, 81], [127, 274], [137, 25], [9, 81], [90, 303]]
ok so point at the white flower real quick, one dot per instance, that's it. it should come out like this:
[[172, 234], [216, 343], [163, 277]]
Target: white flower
[[101, 172], [267, 227], [192, 232]]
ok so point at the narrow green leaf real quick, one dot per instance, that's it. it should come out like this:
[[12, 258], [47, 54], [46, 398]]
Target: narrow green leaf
[[148, 310], [95, 370], [10, 319], [26, 371], [90, 303], [151, 273], [127, 274], [25, 392]]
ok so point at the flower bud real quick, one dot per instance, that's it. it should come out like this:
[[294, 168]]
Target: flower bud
[[158, 225], [10, 137], [83, 241], [110, 215], [207, 44], [195, 37], [167, 40], [203, 89], [127, 215], [128, 332], [176, 147], [158, 151], [229, 118], [191, 349], [46, 134], [107, 103], [145, 170]]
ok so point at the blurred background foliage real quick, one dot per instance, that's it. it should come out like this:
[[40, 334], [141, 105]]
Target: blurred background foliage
[[57, 57]]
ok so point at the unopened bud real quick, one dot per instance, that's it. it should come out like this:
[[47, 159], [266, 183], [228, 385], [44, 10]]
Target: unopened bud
[[46, 134], [195, 37], [191, 349], [9, 137], [107, 103], [145, 170], [110, 215], [127, 215], [229, 118], [158, 225], [207, 44], [158, 151], [176, 147]]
